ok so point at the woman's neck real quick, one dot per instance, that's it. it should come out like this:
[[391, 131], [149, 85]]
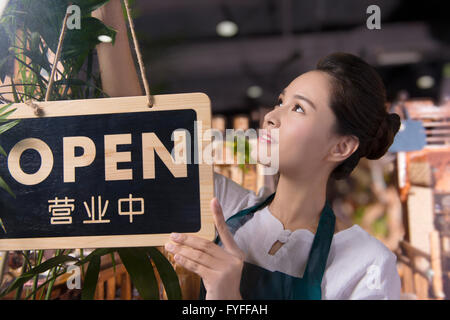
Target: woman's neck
[[298, 203]]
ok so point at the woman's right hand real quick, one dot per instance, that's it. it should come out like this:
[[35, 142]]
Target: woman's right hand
[[219, 267]]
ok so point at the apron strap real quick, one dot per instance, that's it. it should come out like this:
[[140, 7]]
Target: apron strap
[[318, 255], [244, 212], [253, 208]]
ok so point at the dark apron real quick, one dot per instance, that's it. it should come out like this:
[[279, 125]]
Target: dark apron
[[258, 283]]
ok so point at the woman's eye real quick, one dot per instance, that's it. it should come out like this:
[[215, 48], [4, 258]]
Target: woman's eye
[[279, 103], [298, 107]]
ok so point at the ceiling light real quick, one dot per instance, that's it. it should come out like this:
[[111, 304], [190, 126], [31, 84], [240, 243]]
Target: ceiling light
[[254, 92], [398, 57], [425, 82], [226, 28], [104, 38]]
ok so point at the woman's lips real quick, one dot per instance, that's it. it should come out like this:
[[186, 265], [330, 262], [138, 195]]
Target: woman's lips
[[266, 138]]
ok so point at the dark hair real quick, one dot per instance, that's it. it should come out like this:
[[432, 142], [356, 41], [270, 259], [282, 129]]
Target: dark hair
[[358, 100]]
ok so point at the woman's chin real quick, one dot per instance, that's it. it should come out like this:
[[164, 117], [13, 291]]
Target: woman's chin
[[269, 165]]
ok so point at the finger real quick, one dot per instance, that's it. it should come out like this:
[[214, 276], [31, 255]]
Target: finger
[[195, 255], [200, 244], [222, 228], [191, 265]]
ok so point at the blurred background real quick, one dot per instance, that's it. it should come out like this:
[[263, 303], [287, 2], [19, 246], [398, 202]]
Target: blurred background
[[242, 53]]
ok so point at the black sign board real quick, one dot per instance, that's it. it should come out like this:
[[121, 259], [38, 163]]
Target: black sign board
[[105, 177]]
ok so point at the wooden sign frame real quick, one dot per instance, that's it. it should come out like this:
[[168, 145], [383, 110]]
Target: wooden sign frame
[[199, 102]]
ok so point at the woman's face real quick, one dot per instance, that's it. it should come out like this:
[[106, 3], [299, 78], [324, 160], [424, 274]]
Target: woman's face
[[304, 122]]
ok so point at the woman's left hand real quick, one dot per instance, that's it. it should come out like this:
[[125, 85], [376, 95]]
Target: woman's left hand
[[220, 268]]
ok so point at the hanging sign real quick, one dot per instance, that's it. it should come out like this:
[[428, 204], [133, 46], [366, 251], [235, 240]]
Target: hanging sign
[[106, 173]]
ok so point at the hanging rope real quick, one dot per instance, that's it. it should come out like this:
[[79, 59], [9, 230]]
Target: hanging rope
[[56, 59], [38, 110], [139, 56]]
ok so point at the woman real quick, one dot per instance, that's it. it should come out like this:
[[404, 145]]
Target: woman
[[289, 244]]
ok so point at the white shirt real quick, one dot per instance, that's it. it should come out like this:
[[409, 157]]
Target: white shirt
[[359, 266]]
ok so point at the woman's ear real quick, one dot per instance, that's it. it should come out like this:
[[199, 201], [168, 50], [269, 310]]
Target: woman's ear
[[344, 148]]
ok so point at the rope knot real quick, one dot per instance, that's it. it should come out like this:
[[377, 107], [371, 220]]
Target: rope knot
[[38, 111]]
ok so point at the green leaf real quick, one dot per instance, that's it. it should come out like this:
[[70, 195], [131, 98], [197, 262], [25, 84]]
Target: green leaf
[[5, 186], [140, 269], [5, 55], [4, 115], [5, 107], [70, 82], [43, 284], [24, 75], [39, 59], [94, 254], [79, 42], [168, 275], [2, 225], [51, 263], [8, 126], [14, 90], [3, 152], [47, 265], [88, 6], [35, 41], [90, 281]]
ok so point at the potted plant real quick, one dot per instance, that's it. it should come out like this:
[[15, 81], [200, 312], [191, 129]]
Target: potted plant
[[29, 33]]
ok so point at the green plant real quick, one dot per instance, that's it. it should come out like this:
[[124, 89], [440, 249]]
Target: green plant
[[136, 260], [4, 127], [239, 142], [29, 31]]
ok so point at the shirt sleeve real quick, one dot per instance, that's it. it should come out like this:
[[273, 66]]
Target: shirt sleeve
[[380, 282], [234, 197]]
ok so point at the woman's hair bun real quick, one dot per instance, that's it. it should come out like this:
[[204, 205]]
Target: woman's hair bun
[[384, 137], [358, 101]]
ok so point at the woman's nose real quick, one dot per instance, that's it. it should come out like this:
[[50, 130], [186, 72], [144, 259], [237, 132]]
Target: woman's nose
[[271, 119]]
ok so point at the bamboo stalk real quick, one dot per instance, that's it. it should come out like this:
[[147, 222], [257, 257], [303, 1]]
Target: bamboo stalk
[[36, 277], [52, 282], [24, 267]]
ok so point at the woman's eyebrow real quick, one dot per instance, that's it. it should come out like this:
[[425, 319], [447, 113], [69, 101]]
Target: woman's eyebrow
[[298, 96]]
